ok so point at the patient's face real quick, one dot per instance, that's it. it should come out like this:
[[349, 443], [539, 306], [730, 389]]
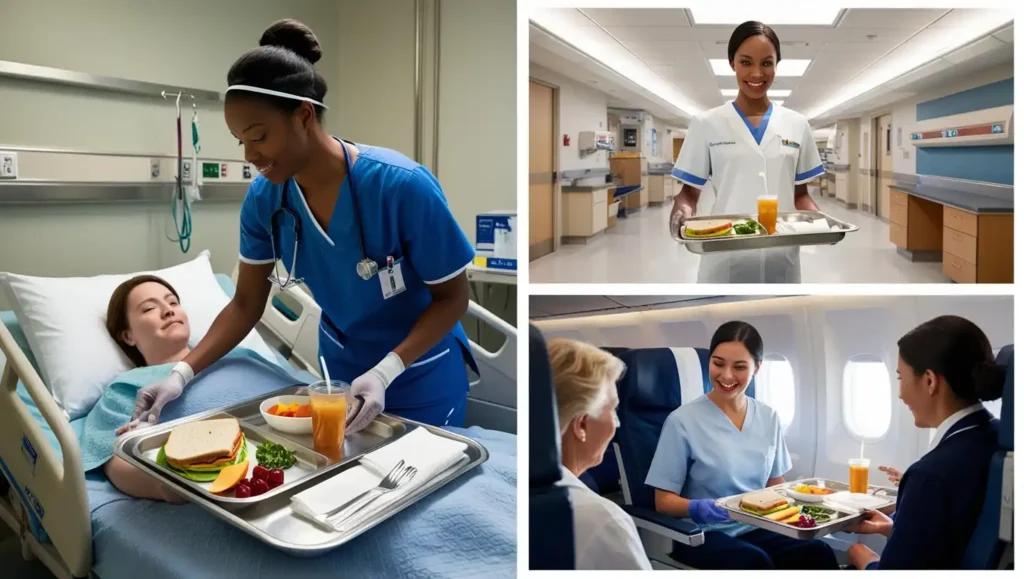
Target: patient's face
[[731, 369], [157, 324]]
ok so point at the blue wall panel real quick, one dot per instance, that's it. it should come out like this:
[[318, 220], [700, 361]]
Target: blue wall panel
[[993, 164]]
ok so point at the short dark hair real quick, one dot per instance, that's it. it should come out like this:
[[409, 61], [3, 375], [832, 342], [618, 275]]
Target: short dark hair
[[117, 314], [283, 62], [957, 350], [753, 28], [740, 332]]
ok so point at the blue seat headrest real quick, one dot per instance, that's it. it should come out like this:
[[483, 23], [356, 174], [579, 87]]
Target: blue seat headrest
[[545, 439], [1005, 358], [650, 390]]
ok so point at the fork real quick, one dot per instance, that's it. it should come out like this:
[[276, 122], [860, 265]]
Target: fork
[[391, 475], [390, 483]]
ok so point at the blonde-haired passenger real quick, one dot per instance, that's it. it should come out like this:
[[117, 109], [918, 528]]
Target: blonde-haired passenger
[[585, 377]]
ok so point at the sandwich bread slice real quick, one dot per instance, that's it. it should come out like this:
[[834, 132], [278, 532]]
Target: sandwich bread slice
[[707, 228], [209, 444], [764, 503]]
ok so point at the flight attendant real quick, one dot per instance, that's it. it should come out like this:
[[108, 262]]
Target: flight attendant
[[367, 230], [733, 145], [946, 369], [722, 444]]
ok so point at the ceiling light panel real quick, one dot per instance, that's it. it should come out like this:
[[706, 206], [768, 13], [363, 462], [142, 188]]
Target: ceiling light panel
[[796, 15], [788, 67]]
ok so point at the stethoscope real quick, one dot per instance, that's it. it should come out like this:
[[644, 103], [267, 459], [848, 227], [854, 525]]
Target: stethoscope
[[366, 268]]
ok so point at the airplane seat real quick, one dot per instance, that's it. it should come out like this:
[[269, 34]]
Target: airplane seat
[[551, 528], [656, 382], [987, 548]]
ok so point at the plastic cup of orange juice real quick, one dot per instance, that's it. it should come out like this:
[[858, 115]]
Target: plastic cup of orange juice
[[768, 212], [329, 408], [859, 475]]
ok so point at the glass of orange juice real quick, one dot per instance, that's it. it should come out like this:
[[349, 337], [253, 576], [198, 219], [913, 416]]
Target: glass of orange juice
[[329, 407], [768, 212], [859, 475]]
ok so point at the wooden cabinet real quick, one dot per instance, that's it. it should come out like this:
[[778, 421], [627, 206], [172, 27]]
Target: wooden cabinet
[[631, 169], [661, 188], [977, 248], [915, 224], [584, 213]]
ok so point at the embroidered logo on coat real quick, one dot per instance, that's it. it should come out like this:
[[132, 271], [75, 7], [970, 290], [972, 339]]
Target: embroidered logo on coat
[[788, 143], [721, 143]]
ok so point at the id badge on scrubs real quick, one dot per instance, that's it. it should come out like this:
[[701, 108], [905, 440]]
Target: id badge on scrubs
[[391, 282]]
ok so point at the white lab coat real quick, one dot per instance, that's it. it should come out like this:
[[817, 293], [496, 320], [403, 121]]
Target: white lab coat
[[720, 147], [605, 536]]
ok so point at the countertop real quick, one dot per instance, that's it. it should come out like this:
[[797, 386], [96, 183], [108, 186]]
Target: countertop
[[960, 199], [586, 188], [659, 171]]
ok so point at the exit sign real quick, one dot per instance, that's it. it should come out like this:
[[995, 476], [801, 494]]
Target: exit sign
[[211, 170]]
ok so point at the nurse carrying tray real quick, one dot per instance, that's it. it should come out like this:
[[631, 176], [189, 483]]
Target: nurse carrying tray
[[368, 231], [748, 148]]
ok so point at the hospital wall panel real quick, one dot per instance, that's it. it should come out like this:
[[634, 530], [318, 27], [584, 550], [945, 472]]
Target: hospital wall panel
[[904, 113]]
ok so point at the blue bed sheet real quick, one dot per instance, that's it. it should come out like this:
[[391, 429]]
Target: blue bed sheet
[[466, 529]]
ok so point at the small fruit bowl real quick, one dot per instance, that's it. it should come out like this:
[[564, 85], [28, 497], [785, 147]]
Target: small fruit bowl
[[288, 424]]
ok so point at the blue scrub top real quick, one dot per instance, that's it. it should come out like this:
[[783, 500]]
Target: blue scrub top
[[701, 454], [404, 215]]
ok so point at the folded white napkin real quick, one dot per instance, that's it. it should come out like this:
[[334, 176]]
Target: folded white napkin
[[429, 453], [856, 501], [803, 226]]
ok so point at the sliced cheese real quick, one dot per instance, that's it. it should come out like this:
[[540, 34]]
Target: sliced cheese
[[792, 519]]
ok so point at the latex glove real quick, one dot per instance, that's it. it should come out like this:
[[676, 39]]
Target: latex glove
[[706, 512], [675, 221], [150, 401], [370, 388]]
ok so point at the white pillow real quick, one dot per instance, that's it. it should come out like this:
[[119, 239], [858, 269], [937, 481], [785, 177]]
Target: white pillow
[[64, 320]]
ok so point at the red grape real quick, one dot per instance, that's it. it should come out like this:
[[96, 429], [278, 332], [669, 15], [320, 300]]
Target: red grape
[[259, 486], [243, 491], [276, 478], [260, 472]]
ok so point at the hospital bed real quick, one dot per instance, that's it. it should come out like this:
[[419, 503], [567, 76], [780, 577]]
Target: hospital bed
[[65, 544]]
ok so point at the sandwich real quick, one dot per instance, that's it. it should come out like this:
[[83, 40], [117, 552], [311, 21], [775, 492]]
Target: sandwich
[[765, 503], [198, 451], [707, 228]]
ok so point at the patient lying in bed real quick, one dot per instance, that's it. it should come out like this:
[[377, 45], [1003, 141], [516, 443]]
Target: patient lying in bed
[[146, 320], [150, 326]]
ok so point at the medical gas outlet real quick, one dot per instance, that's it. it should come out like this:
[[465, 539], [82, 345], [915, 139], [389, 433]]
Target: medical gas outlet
[[8, 165]]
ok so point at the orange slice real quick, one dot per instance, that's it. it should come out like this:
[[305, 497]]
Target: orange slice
[[229, 477]]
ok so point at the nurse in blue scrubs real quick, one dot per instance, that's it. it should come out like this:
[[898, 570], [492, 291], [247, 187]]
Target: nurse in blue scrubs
[[726, 443], [946, 369], [365, 228]]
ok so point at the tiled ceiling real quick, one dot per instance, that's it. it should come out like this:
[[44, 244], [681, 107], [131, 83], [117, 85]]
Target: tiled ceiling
[[668, 43]]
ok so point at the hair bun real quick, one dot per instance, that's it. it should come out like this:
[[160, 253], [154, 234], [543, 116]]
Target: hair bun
[[294, 36], [989, 379]]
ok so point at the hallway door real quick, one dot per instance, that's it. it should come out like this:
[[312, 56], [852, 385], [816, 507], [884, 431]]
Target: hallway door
[[883, 175], [542, 170]]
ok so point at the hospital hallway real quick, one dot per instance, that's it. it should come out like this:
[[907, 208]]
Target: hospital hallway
[[639, 250]]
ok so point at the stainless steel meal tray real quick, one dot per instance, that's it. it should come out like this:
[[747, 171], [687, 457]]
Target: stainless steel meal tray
[[269, 518], [844, 519], [763, 240], [145, 445]]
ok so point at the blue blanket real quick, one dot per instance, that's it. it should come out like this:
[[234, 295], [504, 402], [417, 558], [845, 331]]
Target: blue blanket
[[224, 383], [466, 529]]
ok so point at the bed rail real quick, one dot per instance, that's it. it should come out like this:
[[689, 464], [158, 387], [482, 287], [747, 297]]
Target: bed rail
[[53, 488]]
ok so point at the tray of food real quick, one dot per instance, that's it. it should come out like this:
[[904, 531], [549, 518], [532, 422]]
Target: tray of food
[[244, 463], [806, 509], [748, 231]]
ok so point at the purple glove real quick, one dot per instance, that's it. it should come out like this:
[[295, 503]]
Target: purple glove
[[705, 512]]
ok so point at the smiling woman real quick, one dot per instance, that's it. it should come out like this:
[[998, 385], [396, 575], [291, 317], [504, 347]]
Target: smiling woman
[[748, 149]]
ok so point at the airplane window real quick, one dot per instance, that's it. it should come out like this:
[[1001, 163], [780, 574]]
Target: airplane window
[[776, 387], [867, 396]]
